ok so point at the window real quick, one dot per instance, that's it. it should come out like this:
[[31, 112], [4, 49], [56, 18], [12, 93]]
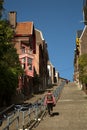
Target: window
[[29, 63], [23, 62], [23, 66], [23, 49]]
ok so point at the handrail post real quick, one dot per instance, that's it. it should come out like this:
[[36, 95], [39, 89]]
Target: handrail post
[[29, 115], [17, 119], [36, 113], [23, 120]]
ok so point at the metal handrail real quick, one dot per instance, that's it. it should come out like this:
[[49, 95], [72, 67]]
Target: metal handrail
[[32, 115]]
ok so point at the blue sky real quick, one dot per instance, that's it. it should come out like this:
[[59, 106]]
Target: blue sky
[[58, 20]]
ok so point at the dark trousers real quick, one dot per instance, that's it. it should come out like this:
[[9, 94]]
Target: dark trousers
[[50, 107]]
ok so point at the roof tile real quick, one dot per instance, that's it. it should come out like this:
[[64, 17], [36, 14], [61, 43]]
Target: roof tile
[[24, 28]]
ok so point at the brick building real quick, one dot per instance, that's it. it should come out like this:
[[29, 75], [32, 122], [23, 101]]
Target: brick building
[[33, 55], [40, 60], [81, 48]]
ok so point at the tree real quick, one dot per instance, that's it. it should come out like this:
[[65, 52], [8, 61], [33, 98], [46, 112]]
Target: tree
[[83, 68], [1, 7], [10, 67]]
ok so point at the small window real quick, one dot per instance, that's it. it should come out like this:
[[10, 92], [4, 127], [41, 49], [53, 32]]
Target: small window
[[23, 66], [23, 49], [29, 63], [23, 60]]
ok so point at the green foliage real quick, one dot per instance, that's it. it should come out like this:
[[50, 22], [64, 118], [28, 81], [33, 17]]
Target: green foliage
[[10, 67], [4, 30], [6, 34], [83, 68], [1, 7]]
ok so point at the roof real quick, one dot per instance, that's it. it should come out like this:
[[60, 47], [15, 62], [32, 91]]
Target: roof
[[24, 28], [39, 36]]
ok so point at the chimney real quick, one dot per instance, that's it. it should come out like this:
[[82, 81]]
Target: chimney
[[12, 18]]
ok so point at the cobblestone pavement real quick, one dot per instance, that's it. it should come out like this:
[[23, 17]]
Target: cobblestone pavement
[[70, 112]]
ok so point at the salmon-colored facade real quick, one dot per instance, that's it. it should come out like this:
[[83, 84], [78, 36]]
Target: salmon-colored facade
[[33, 55], [24, 40], [25, 43]]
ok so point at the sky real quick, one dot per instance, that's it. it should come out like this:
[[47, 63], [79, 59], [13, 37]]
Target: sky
[[58, 20]]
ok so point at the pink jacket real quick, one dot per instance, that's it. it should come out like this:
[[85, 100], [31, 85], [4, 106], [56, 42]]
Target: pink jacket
[[46, 101]]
